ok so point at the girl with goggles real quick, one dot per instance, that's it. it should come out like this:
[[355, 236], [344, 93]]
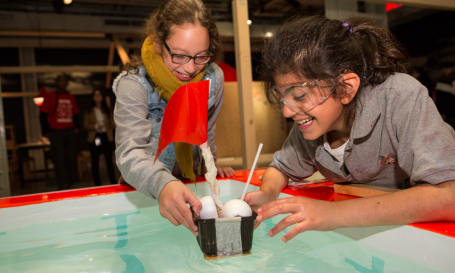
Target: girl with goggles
[[373, 125]]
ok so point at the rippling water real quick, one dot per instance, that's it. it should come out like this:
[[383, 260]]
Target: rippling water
[[142, 241]]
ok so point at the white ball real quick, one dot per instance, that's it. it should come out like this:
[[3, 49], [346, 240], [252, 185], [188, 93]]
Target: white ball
[[208, 210], [236, 207]]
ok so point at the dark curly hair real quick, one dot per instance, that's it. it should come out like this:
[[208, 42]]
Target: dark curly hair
[[104, 107], [317, 48], [179, 12]]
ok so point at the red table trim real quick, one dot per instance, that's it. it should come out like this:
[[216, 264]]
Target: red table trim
[[32, 199], [320, 191]]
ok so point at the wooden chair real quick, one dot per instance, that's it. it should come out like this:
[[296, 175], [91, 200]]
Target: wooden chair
[[83, 162]]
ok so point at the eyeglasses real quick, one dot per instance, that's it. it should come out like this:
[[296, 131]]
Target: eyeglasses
[[183, 59], [301, 96]]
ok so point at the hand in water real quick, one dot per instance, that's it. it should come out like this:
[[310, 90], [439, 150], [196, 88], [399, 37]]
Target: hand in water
[[172, 202], [257, 199], [306, 214]]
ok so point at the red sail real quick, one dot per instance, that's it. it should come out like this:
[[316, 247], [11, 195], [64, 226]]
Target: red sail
[[185, 116]]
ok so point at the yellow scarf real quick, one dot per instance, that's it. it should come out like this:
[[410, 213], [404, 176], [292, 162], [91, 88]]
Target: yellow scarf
[[166, 83]]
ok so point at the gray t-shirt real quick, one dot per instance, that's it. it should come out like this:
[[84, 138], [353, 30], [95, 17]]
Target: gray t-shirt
[[397, 134]]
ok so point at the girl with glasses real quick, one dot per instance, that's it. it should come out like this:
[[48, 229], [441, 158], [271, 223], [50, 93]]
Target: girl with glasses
[[181, 45], [358, 118]]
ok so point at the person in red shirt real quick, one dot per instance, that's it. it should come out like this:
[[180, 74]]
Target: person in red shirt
[[59, 119]]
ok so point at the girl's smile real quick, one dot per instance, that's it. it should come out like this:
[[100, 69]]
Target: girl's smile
[[183, 76], [304, 124]]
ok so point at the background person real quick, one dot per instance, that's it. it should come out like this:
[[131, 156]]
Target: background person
[[420, 74], [98, 123], [445, 96], [59, 119]]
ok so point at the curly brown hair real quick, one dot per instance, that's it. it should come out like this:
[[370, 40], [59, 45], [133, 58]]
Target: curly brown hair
[[317, 48], [179, 12]]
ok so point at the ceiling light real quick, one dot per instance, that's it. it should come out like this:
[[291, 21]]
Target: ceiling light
[[67, 2], [38, 101], [268, 34], [248, 22]]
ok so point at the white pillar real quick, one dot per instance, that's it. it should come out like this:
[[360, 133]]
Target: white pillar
[[29, 83]]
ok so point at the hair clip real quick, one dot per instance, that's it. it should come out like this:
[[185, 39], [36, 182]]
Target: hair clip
[[347, 25]]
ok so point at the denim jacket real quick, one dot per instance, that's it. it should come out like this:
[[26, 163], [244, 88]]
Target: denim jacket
[[138, 116]]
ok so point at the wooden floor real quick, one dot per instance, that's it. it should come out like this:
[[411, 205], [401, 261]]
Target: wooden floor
[[49, 183]]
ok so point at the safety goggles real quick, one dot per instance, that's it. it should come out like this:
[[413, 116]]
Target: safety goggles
[[301, 96]]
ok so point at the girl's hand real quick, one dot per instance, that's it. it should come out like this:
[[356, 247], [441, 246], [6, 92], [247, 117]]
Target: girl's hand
[[257, 199], [121, 180], [172, 202], [307, 214], [225, 171]]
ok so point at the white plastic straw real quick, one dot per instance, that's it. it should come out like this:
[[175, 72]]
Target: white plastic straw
[[252, 169]]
